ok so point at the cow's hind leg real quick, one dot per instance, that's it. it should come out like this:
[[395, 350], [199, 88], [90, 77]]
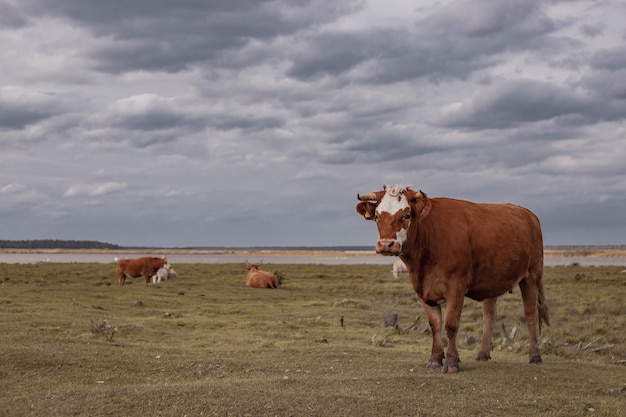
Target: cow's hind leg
[[489, 318], [435, 322], [530, 295]]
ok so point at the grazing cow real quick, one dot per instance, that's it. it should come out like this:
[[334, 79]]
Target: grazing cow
[[136, 267], [398, 267], [260, 279], [163, 274], [455, 249]]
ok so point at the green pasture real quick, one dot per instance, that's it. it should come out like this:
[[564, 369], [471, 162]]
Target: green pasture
[[73, 343]]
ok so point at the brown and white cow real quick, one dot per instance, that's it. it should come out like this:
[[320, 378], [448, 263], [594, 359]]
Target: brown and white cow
[[260, 279], [147, 267], [397, 268], [163, 274], [455, 249]]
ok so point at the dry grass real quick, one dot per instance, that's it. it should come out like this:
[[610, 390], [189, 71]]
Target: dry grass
[[73, 343]]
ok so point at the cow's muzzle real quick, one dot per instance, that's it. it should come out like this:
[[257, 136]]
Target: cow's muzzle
[[388, 247]]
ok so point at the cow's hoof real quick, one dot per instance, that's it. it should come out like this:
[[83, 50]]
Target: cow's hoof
[[451, 366], [450, 370], [483, 357], [434, 365], [536, 359]]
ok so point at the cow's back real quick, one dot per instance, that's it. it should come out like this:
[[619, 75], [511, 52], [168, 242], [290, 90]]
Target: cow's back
[[492, 244], [130, 267], [261, 279]]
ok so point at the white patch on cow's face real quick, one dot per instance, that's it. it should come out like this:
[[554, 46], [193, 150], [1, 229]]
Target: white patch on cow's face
[[392, 202], [401, 236], [396, 204]]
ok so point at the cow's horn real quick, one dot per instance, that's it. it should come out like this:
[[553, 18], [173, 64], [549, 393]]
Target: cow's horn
[[413, 195], [367, 197]]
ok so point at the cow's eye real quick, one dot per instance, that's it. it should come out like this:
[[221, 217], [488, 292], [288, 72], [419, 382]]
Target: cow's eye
[[376, 217], [407, 216]]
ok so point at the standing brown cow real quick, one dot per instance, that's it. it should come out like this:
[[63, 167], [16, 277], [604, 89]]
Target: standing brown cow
[[455, 248], [147, 267], [260, 279]]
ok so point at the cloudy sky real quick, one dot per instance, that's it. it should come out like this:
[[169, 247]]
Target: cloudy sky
[[252, 122]]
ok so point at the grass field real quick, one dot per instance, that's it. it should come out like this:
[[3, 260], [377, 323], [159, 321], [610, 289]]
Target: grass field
[[72, 343]]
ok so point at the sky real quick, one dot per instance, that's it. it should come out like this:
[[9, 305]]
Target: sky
[[179, 123]]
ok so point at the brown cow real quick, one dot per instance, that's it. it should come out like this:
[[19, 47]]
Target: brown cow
[[260, 279], [147, 267], [455, 248]]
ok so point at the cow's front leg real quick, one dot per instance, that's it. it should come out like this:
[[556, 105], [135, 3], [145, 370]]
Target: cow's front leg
[[434, 320], [454, 305], [489, 318]]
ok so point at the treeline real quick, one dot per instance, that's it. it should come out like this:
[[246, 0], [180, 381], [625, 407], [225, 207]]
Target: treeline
[[56, 244]]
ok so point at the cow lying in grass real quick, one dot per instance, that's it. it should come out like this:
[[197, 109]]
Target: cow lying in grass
[[164, 274], [260, 279]]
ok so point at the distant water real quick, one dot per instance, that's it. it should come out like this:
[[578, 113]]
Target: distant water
[[318, 258]]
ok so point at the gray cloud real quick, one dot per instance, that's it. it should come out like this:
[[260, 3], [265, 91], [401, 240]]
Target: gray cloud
[[9, 16], [592, 30], [257, 122], [510, 103], [157, 36], [612, 59], [454, 41], [20, 107], [94, 189], [147, 112]]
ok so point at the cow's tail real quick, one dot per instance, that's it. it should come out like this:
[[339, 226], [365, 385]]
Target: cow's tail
[[542, 306]]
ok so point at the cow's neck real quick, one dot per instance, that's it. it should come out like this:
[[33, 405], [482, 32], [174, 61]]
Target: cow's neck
[[415, 252]]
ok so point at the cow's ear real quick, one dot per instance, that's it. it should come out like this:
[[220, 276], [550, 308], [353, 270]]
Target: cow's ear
[[421, 206], [366, 209]]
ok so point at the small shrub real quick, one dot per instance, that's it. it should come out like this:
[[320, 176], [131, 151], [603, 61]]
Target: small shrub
[[280, 277], [103, 328]]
